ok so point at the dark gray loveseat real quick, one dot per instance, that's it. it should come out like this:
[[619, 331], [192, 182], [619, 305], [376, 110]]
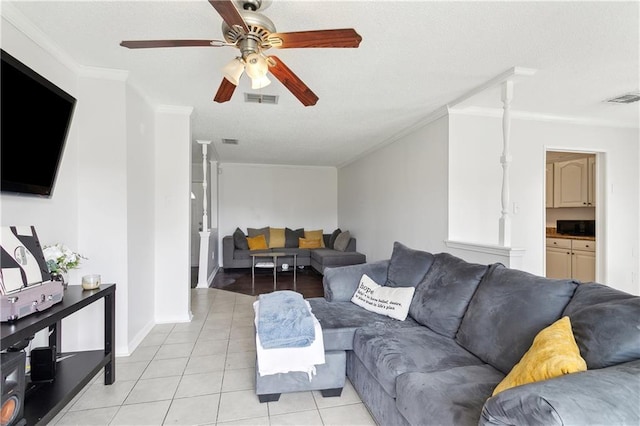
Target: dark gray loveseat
[[318, 259], [468, 325]]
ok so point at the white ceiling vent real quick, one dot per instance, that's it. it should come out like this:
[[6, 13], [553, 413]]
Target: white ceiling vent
[[230, 141], [626, 99], [260, 99]]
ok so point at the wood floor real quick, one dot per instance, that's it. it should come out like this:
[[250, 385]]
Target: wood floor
[[308, 282]]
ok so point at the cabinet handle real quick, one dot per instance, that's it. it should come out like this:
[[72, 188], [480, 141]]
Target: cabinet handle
[[584, 204], [568, 253]]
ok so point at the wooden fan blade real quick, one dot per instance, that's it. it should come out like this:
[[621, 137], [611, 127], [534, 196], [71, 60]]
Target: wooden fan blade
[[292, 82], [146, 44], [229, 13], [347, 37], [225, 91]]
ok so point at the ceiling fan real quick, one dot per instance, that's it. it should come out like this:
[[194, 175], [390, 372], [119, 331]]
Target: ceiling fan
[[253, 33]]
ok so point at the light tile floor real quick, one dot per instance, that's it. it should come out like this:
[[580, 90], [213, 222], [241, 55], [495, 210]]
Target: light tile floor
[[202, 373]]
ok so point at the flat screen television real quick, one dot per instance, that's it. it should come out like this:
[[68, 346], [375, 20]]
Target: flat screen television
[[35, 119]]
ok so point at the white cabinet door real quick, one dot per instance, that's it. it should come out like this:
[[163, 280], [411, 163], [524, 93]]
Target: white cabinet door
[[583, 265], [558, 262], [549, 185], [591, 199], [570, 186]]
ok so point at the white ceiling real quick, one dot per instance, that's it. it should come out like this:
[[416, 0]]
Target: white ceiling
[[415, 57]]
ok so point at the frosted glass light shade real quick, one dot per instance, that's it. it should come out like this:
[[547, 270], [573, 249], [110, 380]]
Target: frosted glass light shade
[[256, 66], [259, 83], [233, 70]]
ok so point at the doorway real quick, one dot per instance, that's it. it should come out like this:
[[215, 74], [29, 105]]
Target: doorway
[[573, 219]]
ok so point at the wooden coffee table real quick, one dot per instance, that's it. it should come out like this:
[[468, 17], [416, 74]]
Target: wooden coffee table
[[273, 255]]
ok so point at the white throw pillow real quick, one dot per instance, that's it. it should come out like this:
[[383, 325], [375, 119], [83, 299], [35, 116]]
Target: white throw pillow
[[393, 302]]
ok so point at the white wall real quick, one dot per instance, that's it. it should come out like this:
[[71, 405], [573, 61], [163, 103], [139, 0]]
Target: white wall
[[475, 157], [398, 193], [172, 200], [255, 196], [105, 200], [140, 216]]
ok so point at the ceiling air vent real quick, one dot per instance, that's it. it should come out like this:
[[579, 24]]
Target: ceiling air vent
[[626, 99], [230, 141], [260, 99]]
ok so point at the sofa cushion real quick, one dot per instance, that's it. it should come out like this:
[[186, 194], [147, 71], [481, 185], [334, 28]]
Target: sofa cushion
[[276, 238], [340, 320], [342, 241], [507, 311], [407, 266], [332, 238], [606, 396], [309, 243], [315, 235], [554, 352], [449, 397], [442, 297], [388, 352], [254, 232], [240, 240], [389, 301], [291, 237], [259, 242], [606, 324]]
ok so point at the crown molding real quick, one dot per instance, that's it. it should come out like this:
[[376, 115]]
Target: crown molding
[[430, 118], [538, 116], [103, 73], [16, 18]]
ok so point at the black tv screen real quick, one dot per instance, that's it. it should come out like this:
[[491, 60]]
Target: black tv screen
[[35, 119]]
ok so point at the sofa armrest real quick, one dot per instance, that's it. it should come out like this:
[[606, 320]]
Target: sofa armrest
[[604, 396], [340, 283], [228, 247]]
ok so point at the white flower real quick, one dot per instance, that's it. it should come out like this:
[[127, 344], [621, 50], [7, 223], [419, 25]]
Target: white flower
[[60, 258]]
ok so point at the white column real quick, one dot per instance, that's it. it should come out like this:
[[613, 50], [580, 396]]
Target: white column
[[505, 221], [203, 265], [205, 219]]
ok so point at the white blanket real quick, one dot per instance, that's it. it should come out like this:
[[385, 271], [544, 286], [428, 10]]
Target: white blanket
[[285, 360]]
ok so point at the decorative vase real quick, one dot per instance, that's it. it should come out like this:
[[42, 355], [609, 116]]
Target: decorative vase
[[62, 277]]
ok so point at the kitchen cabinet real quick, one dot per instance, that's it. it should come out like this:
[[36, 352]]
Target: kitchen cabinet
[[591, 178], [549, 185], [568, 258], [571, 183]]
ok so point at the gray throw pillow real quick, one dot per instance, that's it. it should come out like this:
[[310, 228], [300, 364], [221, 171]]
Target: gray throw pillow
[[441, 299], [332, 238], [254, 232], [606, 324], [507, 311], [240, 240], [291, 237], [342, 241], [407, 267]]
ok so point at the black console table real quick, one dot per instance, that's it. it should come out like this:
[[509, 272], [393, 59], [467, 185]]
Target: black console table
[[74, 369]]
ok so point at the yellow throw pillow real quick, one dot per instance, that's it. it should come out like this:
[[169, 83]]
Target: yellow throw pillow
[[257, 243], [554, 352], [276, 237], [309, 243], [314, 235]]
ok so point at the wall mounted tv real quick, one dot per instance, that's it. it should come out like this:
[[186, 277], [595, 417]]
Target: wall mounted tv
[[35, 116]]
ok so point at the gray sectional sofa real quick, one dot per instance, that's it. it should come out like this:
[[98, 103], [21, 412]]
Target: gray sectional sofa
[[468, 325], [318, 259]]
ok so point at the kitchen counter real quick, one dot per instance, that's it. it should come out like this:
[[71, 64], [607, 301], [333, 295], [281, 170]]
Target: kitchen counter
[[551, 233]]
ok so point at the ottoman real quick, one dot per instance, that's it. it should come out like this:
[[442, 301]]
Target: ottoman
[[329, 379]]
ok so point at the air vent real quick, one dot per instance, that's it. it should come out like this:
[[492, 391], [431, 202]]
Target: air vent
[[626, 99], [230, 141], [260, 99]]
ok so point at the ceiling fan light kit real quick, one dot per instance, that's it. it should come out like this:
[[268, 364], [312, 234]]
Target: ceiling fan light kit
[[253, 33]]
